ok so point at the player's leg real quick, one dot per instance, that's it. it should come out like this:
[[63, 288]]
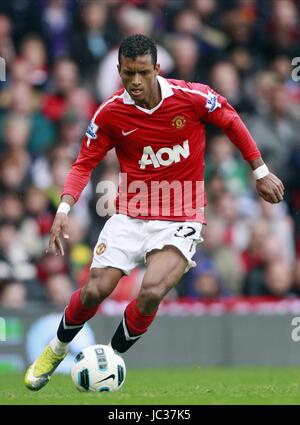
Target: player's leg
[[83, 306], [114, 255], [164, 269]]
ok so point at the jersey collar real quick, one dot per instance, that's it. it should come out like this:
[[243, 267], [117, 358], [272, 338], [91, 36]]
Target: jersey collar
[[166, 91]]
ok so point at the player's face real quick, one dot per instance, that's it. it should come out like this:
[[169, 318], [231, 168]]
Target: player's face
[[139, 78]]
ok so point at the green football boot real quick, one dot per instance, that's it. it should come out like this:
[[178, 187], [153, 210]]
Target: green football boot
[[39, 373]]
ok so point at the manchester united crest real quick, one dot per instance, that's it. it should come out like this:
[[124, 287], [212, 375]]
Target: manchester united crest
[[100, 248], [178, 122]]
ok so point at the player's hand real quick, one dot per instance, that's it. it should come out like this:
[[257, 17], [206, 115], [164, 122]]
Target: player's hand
[[59, 227], [270, 188]]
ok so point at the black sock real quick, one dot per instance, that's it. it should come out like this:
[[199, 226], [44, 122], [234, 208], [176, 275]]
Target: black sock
[[122, 340], [65, 332]]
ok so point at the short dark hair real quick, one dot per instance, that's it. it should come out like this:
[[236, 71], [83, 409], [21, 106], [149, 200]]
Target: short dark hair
[[137, 45]]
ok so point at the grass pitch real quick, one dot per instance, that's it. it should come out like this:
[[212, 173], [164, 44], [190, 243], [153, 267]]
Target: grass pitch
[[195, 385]]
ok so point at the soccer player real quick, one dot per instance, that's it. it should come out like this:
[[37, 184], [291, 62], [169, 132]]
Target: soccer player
[[157, 129]]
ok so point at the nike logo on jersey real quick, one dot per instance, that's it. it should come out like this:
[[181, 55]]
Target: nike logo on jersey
[[105, 379], [126, 133], [164, 156]]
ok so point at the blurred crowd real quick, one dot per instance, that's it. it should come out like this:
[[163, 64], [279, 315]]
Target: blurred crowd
[[61, 58]]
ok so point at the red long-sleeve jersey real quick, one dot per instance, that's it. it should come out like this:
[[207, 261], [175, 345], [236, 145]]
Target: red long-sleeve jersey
[[160, 151]]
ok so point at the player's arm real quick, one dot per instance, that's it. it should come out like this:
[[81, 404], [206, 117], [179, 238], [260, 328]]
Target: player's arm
[[215, 110], [93, 149], [268, 186], [60, 225]]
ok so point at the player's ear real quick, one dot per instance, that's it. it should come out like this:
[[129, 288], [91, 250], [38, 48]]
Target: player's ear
[[119, 69], [157, 68]]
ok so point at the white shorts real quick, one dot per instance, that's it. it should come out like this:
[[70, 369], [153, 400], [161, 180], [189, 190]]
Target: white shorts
[[124, 242]]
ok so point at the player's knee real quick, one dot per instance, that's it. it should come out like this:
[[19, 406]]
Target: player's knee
[[97, 289], [150, 297], [90, 295]]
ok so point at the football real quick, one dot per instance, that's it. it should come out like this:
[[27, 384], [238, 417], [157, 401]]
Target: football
[[98, 368]]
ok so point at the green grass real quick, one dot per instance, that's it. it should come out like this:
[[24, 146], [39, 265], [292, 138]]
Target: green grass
[[195, 385]]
